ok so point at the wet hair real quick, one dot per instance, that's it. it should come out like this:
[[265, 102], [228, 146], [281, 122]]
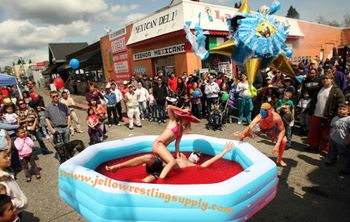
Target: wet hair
[[4, 199]]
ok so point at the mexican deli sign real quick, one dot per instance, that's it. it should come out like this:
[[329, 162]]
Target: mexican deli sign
[[170, 50], [160, 23]]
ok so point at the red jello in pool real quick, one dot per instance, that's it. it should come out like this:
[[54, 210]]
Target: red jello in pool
[[219, 171]]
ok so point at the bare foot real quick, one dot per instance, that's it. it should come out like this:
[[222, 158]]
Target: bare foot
[[282, 164]]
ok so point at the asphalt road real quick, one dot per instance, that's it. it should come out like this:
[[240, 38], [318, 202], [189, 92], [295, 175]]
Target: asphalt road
[[307, 190]]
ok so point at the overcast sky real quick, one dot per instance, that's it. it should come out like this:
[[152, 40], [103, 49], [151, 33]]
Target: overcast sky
[[27, 26]]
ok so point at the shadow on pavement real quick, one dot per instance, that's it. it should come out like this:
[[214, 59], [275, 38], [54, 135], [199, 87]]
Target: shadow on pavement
[[325, 199], [27, 216]]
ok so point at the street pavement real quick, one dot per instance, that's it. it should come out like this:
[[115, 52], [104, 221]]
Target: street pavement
[[307, 190]]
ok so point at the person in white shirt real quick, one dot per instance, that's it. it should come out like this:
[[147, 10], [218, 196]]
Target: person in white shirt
[[244, 101], [212, 90], [119, 98], [132, 104], [67, 100], [142, 99]]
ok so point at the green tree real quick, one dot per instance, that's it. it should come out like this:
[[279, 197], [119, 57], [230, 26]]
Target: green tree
[[292, 13], [30, 61], [19, 62], [8, 70], [324, 21], [347, 20], [238, 4]]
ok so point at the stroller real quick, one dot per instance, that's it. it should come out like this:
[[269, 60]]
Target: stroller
[[217, 116]]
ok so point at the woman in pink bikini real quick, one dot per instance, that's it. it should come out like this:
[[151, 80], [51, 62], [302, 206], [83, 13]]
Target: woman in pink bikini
[[179, 122]]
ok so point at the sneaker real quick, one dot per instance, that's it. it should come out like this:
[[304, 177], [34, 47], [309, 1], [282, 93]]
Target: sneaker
[[29, 179], [164, 121], [109, 125], [119, 124], [80, 131], [142, 118], [139, 126], [47, 137], [131, 128], [239, 123], [38, 176]]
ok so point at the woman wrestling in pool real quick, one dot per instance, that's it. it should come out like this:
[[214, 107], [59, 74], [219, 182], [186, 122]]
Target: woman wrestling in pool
[[179, 122], [155, 165]]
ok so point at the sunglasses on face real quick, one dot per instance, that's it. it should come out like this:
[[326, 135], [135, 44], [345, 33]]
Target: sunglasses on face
[[54, 96]]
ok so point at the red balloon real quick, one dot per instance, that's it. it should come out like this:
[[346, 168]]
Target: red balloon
[[34, 96], [59, 83]]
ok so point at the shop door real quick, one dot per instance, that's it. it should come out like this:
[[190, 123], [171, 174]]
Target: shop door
[[166, 64]]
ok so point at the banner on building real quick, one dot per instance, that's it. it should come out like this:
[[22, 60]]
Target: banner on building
[[169, 50]]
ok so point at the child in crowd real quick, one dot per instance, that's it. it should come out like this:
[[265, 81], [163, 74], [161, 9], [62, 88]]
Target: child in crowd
[[5, 141], [286, 102], [7, 210], [303, 115], [25, 145], [196, 102], [152, 103], [339, 139], [187, 102], [10, 116], [287, 118], [95, 131], [41, 115], [7, 179]]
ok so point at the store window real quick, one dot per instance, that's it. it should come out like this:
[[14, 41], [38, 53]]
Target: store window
[[165, 64]]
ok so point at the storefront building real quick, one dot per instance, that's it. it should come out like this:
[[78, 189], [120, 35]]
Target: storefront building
[[115, 56], [158, 42]]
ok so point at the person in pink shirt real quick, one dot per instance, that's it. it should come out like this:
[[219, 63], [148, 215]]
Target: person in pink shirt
[[24, 144]]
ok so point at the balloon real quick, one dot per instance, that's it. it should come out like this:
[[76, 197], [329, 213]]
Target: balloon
[[225, 96], [74, 63], [59, 83], [34, 96], [196, 93]]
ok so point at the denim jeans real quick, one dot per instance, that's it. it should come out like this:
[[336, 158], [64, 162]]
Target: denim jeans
[[161, 112], [39, 137], [62, 135], [289, 135], [111, 110], [143, 109], [244, 106]]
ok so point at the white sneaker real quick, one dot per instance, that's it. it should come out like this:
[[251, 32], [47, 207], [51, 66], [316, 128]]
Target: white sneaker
[[47, 137], [239, 123]]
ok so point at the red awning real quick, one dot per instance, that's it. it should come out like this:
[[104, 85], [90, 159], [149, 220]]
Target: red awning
[[218, 33]]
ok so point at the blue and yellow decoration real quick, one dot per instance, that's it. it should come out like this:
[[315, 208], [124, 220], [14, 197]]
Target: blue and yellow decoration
[[258, 41]]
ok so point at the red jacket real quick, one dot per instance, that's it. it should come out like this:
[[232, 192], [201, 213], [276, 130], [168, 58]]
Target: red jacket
[[172, 83]]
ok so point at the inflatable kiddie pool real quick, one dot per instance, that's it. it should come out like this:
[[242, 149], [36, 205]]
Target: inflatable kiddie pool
[[101, 199]]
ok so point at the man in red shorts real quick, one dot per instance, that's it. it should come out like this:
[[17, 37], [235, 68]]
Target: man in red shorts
[[269, 123]]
